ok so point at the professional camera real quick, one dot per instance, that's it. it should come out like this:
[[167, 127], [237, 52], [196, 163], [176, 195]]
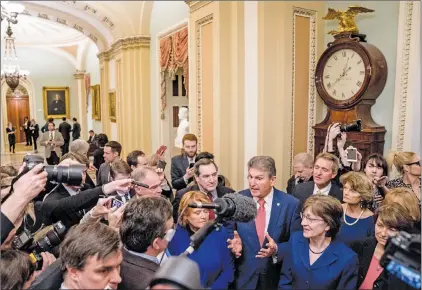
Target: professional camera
[[25, 242], [355, 126], [71, 174], [402, 258]]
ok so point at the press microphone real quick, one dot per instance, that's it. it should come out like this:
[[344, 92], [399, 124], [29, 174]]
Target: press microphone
[[231, 206]]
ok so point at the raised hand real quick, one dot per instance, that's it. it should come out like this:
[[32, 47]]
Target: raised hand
[[271, 248], [235, 245]]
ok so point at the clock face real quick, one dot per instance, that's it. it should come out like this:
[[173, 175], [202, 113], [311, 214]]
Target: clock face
[[343, 74]]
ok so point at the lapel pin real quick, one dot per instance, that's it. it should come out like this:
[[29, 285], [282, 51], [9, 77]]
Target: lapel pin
[[278, 204]]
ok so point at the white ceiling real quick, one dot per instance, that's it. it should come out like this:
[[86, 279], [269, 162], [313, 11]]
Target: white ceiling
[[37, 31]]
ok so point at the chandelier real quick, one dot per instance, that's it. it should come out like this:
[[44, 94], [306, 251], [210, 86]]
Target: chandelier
[[11, 72], [10, 11]]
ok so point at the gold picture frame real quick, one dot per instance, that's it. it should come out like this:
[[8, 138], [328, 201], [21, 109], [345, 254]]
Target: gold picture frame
[[96, 102], [56, 102], [112, 106]]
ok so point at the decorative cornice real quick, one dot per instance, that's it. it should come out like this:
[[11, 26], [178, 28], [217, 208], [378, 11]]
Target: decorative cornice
[[124, 44], [195, 5], [79, 74], [311, 14]]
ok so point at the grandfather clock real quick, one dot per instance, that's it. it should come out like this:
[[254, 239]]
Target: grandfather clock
[[350, 75]]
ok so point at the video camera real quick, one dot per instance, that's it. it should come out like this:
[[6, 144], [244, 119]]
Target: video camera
[[71, 174], [402, 258], [25, 242]]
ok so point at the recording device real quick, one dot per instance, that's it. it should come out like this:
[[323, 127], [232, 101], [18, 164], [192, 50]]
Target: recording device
[[161, 150], [231, 206], [71, 174], [137, 183], [402, 258], [25, 242], [161, 164], [116, 203], [300, 179], [351, 154], [355, 126], [191, 165]]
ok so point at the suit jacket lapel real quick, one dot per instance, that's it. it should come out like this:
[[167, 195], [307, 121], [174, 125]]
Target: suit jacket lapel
[[368, 251], [252, 225], [276, 209], [329, 256], [220, 192], [185, 163]]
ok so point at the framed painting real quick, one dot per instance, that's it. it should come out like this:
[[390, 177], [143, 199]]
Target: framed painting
[[112, 106], [56, 102], [96, 102]]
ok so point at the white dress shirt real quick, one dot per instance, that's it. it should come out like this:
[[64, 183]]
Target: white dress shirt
[[323, 191], [51, 135], [267, 205]]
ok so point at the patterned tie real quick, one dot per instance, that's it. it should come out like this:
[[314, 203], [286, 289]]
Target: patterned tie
[[51, 136], [211, 211], [260, 221]]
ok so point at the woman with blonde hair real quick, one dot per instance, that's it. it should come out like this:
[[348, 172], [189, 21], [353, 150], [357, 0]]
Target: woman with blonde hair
[[407, 199], [358, 195], [213, 257], [408, 164]]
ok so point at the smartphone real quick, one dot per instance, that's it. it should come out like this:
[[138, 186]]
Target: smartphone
[[161, 164], [191, 165], [161, 150], [116, 203], [351, 154]]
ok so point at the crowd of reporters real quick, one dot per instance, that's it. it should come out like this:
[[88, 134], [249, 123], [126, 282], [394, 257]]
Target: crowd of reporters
[[328, 231]]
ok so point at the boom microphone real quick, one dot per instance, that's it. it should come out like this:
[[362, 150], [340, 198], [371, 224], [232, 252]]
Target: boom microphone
[[231, 206]]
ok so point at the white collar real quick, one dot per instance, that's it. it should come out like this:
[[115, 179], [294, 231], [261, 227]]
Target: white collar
[[268, 199], [71, 191], [324, 190]]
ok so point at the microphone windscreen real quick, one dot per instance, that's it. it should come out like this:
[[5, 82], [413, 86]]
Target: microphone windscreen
[[245, 207]]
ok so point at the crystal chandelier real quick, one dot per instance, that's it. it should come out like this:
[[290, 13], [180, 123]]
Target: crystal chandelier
[[11, 72], [10, 11]]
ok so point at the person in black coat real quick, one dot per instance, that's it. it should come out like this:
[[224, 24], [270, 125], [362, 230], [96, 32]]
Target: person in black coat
[[76, 130], [65, 129], [99, 152], [302, 168], [27, 130], [325, 170], [182, 165], [11, 136], [206, 177], [35, 133], [389, 220]]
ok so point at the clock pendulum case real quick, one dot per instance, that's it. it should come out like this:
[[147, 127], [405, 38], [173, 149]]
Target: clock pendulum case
[[349, 77]]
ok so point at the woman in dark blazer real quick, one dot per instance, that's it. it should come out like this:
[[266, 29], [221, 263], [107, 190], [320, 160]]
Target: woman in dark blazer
[[313, 259], [213, 257], [389, 220]]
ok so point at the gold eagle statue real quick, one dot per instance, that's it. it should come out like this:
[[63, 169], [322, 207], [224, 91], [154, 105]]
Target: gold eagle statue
[[346, 19]]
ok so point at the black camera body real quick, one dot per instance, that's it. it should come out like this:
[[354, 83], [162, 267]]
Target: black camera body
[[355, 126], [25, 242], [402, 258], [72, 174]]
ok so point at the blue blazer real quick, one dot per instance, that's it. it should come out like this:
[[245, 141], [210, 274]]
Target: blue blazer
[[336, 268], [285, 218], [213, 257]]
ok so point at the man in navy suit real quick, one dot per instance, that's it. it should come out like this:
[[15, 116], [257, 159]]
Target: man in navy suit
[[278, 216], [182, 170], [325, 170]]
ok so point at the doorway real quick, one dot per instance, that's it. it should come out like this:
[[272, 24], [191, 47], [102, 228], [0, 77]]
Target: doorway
[[17, 110]]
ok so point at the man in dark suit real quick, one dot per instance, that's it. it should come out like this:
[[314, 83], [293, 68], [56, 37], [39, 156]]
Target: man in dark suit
[[92, 137], [278, 216], [57, 107], [65, 129], [325, 170], [112, 152], [146, 229], [206, 177], [76, 130], [302, 169], [182, 165]]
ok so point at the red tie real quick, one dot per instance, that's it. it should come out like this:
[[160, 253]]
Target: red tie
[[260, 221], [211, 211]]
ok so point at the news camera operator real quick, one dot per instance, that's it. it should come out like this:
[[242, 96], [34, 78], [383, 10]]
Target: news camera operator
[[66, 203], [26, 188]]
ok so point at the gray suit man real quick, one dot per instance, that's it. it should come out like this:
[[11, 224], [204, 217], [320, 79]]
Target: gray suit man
[[52, 140]]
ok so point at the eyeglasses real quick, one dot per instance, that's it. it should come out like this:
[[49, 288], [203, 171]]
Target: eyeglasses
[[418, 163], [307, 217]]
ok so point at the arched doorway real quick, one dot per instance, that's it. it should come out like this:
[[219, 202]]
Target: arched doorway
[[17, 105]]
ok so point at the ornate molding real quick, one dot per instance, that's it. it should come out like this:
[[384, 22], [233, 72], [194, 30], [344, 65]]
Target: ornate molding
[[198, 25], [311, 14], [404, 77], [20, 90], [79, 74], [195, 5], [124, 44]]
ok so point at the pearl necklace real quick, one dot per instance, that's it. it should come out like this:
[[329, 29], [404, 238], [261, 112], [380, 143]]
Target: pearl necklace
[[344, 217]]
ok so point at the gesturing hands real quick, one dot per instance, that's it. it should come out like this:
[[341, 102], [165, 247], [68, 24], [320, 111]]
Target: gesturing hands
[[235, 245], [270, 250]]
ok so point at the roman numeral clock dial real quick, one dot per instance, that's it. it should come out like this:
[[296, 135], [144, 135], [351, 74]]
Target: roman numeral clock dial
[[343, 74]]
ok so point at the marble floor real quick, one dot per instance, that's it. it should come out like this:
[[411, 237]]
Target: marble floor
[[16, 159]]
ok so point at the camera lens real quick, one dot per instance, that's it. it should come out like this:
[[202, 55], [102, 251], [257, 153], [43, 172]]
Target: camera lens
[[71, 174], [52, 238], [32, 160]]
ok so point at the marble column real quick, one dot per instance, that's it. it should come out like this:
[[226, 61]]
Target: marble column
[[79, 76]]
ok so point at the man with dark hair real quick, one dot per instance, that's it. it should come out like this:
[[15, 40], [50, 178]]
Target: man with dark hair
[[206, 177], [92, 137], [146, 229], [65, 129], [136, 159], [182, 165], [52, 141], [45, 127], [76, 130], [112, 152]]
